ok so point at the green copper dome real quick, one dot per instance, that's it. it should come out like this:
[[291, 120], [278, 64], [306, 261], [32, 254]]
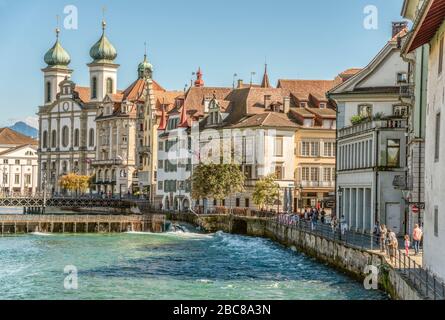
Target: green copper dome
[[145, 68], [103, 50], [57, 56]]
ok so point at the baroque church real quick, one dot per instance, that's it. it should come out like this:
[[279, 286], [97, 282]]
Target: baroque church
[[90, 130]]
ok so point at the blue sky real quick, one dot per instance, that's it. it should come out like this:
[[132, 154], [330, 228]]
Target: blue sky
[[313, 39]]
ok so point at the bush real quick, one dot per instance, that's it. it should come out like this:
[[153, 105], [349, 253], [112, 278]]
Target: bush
[[358, 119]]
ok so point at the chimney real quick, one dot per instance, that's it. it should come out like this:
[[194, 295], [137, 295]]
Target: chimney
[[267, 99], [240, 83], [286, 105], [398, 26]]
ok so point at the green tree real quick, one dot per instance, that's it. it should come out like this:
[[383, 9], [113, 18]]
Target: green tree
[[266, 192], [216, 181]]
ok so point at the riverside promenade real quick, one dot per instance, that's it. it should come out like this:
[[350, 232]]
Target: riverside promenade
[[350, 252]]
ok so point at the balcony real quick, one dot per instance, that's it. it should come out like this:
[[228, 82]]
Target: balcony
[[388, 123], [316, 184], [145, 149], [407, 91], [109, 162]]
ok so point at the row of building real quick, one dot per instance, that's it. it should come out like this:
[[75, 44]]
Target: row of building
[[371, 135], [131, 139], [389, 163]]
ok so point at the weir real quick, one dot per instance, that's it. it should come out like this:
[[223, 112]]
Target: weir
[[20, 224]]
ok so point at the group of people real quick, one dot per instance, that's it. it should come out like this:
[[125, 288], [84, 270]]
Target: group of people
[[312, 215], [389, 243]]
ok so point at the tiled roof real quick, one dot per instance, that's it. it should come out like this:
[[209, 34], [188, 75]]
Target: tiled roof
[[167, 99], [14, 138], [303, 88], [195, 97], [269, 119], [84, 93]]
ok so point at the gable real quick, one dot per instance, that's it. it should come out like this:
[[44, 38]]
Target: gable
[[19, 152], [385, 73]]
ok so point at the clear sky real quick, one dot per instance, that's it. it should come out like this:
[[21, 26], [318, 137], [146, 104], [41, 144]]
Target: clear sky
[[305, 39]]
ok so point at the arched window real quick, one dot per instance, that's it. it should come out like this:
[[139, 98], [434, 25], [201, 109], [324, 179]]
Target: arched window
[[109, 85], [54, 139], [76, 137], [94, 88], [65, 136], [48, 92], [91, 138], [45, 139]]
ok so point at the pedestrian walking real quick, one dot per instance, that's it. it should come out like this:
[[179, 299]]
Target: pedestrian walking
[[383, 232], [417, 237], [393, 245], [334, 223], [343, 225], [377, 232], [407, 244]]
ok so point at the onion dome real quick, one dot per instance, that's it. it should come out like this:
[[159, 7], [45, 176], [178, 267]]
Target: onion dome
[[103, 51], [145, 68], [57, 56]]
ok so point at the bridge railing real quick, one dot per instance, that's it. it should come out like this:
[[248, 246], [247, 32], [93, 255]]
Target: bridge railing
[[70, 218]]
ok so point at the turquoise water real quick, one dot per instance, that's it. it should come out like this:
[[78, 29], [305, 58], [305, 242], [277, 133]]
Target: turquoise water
[[166, 266]]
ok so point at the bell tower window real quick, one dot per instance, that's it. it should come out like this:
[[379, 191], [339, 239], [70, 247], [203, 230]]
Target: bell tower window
[[48, 92], [94, 88], [109, 85]]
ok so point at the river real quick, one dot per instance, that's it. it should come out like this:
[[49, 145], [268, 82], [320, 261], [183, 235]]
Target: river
[[167, 266]]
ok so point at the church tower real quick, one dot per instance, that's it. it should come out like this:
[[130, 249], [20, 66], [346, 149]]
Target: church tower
[[103, 70], [57, 60]]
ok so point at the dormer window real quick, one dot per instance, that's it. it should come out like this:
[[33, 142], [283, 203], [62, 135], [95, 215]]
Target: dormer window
[[302, 104], [402, 77], [322, 105]]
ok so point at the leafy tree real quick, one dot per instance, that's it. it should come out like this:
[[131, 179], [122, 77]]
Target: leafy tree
[[216, 181], [266, 192], [75, 183]]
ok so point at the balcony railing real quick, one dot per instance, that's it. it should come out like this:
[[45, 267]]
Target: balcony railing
[[407, 91], [145, 149], [109, 162], [316, 184], [390, 123]]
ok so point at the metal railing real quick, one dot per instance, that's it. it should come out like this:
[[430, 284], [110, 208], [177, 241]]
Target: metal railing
[[423, 280]]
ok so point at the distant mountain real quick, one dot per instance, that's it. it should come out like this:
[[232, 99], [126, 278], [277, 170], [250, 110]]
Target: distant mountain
[[25, 129]]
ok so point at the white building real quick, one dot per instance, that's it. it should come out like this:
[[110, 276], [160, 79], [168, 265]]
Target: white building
[[429, 29], [18, 163], [174, 161], [371, 141]]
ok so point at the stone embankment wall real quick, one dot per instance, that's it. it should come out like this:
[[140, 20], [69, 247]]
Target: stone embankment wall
[[351, 261]]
